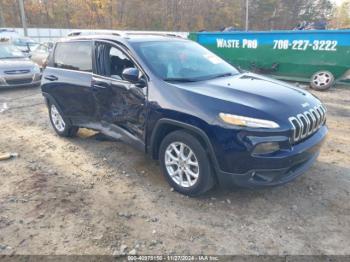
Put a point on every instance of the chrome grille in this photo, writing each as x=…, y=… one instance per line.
x=19, y=81
x=308, y=122
x=15, y=72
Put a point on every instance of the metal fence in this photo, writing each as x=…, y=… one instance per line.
x=53, y=34
x=44, y=34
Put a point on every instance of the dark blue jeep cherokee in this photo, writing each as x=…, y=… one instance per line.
x=204, y=120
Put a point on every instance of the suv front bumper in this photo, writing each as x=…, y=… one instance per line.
x=288, y=166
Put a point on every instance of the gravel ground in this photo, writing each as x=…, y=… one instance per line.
x=85, y=196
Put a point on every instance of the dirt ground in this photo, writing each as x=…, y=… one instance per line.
x=85, y=196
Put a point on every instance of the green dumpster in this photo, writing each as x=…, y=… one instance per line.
x=320, y=57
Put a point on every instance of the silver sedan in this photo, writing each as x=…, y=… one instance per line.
x=16, y=69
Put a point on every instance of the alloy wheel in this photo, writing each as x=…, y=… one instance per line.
x=57, y=119
x=182, y=164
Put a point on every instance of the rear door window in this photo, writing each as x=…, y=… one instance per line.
x=74, y=56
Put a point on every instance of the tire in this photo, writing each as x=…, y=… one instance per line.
x=190, y=177
x=61, y=126
x=322, y=80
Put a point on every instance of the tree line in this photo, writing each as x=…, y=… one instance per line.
x=173, y=15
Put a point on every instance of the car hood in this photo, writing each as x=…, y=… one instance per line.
x=255, y=95
x=16, y=64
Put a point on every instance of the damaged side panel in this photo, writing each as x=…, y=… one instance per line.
x=121, y=109
x=120, y=103
x=117, y=133
x=92, y=93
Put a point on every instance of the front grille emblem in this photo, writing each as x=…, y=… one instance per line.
x=306, y=104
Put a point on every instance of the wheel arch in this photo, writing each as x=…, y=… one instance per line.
x=49, y=99
x=165, y=126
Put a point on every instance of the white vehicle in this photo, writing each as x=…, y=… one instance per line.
x=40, y=54
x=8, y=33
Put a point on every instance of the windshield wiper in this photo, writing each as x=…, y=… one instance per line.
x=181, y=80
x=222, y=75
x=184, y=80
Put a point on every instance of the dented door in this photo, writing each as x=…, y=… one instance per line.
x=118, y=102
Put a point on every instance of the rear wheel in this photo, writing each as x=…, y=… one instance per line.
x=322, y=80
x=185, y=164
x=60, y=125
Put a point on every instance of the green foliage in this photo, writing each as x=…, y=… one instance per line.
x=341, y=15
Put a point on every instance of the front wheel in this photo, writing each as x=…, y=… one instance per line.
x=322, y=80
x=60, y=125
x=185, y=164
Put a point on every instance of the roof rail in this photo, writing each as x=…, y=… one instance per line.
x=152, y=33
x=85, y=32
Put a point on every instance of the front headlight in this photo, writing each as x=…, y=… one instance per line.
x=247, y=121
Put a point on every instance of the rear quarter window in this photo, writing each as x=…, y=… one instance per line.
x=74, y=56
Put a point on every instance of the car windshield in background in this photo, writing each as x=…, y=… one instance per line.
x=9, y=51
x=25, y=44
x=182, y=61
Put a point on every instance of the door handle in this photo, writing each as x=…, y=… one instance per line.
x=96, y=85
x=100, y=86
x=51, y=78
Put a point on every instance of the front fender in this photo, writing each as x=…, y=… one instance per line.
x=202, y=135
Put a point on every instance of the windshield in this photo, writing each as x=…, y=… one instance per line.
x=24, y=42
x=182, y=61
x=9, y=51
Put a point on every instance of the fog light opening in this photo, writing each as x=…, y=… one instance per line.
x=266, y=148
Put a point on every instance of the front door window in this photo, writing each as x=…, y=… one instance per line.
x=111, y=61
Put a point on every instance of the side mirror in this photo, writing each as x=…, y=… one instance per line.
x=132, y=75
